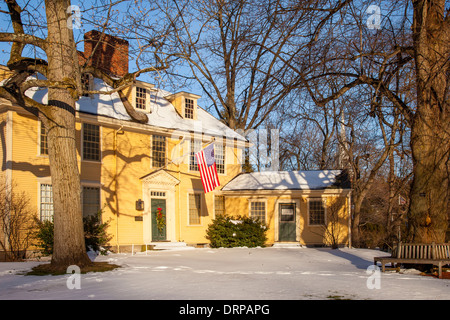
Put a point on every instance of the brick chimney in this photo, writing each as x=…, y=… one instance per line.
x=111, y=55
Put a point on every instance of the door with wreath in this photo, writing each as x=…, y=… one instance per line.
x=158, y=209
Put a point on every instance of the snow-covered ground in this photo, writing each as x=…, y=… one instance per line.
x=228, y=274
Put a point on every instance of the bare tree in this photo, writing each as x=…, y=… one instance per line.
x=62, y=70
x=334, y=229
x=237, y=51
x=17, y=223
x=409, y=49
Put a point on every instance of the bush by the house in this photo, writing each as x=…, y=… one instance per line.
x=16, y=223
x=44, y=237
x=95, y=235
x=240, y=231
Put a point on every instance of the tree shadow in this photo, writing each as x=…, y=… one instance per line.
x=358, y=262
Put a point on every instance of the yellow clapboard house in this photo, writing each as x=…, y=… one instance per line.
x=133, y=171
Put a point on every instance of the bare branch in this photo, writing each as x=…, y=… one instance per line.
x=24, y=39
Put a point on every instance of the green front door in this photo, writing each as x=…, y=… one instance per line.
x=287, y=225
x=158, y=225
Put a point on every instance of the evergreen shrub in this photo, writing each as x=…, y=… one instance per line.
x=95, y=235
x=236, y=231
x=44, y=236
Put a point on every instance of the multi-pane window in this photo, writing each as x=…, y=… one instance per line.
x=43, y=141
x=316, y=211
x=91, y=201
x=46, y=202
x=196, y=146
x=189, y=109
x=141, y=98
x=219, y=205
x=194, y=208
x=160, y=194
x=158, y=151
x=91, y=142
x=219, y=155
x=258, y=210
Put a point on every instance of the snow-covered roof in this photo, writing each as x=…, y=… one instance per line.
x=162, y=113
x=288, y=180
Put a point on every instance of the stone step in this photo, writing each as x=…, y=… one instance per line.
x=287, y=245
x=168, y=245
x=163, y=245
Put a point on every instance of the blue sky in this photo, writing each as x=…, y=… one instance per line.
x=36, y=8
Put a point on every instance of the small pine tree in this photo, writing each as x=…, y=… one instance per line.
x=95, y=235
x=44, y=237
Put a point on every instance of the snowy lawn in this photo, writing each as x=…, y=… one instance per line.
x=229, y=274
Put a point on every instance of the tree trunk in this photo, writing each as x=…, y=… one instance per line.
x=356, y=213
x=430, y=128
x=69, y=247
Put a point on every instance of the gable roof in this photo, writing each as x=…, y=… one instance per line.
x=289, y=180
x=163, y=114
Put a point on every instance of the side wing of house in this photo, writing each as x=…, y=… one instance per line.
x=304, y=207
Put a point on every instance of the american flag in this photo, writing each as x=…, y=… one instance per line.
x=207, y=167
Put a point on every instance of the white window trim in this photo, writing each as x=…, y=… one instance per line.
x=265, y=207
x=148, y=88
x=201, y=145
x=324, y=202
x=41, y=181
x=190, y=150
x=39, y=141
x=201, y=208
x=224, y=145
x=147, y=98
x=92, y=185
x=166, y=159
x=194, y=111
x=216, y=194
x=100, y=133
x=152, y=196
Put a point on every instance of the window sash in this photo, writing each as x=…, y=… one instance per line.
x=219, y=156
x=219, y=205
x=141, y=98
x=196, y=146
x=46, y=202
x=316, y=209
x=91, y=142
x=43, y=141
x=91, y=201
x=258, y=210
x=194, y=208
x=189, y=109
x=158, y=151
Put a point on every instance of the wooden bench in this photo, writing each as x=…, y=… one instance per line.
x=437, y=254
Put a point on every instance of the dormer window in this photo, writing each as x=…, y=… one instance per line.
x=141, y=98
x=139, y=95
x=189, y=109
x=185, y=104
